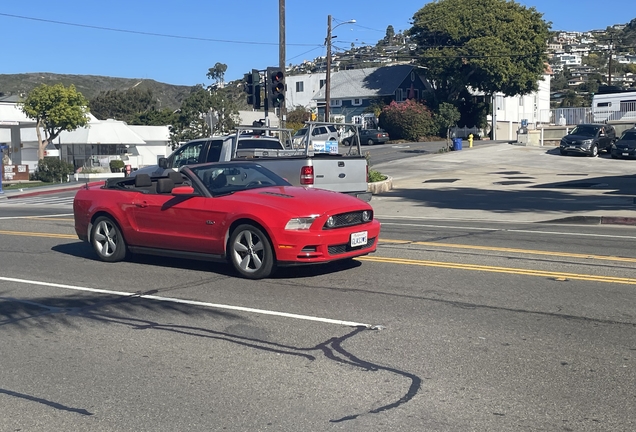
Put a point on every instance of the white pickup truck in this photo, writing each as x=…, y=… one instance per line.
x=319, y=164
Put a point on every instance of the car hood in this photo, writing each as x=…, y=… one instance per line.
x=626, y=143
x=302, y=201
x=578, y=137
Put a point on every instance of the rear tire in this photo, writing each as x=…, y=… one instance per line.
x=346, y=142
x=251, y=253
x=370, y=142
x=107, y=240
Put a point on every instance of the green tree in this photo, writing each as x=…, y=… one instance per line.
x=488, y=45
x=55, y=109
x=201, y=104
x=125, y=105
x=390, y=34
x=447, y=115
x=217, y=73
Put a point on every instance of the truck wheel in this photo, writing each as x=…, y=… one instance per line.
x=107, y=240
x=251, y=252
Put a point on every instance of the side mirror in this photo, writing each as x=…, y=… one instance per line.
x=163, y=163
x=183, y=191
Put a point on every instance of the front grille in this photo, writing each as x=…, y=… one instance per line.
x=344, y=248
x=347, y=219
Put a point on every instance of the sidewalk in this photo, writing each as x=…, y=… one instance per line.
x=494, y=182
x=504, y=182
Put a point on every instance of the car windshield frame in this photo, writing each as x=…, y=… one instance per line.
x=238, y=177
x=585, y=130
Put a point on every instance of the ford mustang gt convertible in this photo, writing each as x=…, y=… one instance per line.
x=239, y=212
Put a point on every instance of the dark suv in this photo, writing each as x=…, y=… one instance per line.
x=589, y=139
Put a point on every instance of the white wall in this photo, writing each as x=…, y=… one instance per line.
x=311, y=84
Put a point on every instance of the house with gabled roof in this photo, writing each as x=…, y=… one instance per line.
x=354, y=91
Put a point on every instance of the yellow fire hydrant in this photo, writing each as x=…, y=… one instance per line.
x=470, y=140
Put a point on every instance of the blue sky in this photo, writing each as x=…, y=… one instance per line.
x=242, y=34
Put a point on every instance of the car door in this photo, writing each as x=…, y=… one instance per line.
x=189, y=224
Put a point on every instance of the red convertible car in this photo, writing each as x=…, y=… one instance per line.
x=239, y=212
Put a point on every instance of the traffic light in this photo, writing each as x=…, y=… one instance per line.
x=275, y=82
x=253, y=88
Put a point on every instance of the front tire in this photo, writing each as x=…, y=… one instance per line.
x=251, y=252
x=107, y=240
x=594, y=150
x=370, y=142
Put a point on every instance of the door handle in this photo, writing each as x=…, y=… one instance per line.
x=142, y=204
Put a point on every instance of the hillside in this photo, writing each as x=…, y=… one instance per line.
x=169, y=96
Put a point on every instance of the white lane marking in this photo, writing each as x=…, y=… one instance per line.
x=36, y=216
x=192, y=303
x=512, y=230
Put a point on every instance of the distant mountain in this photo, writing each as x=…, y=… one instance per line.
x=167, y=95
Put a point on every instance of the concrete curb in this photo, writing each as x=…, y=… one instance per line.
x=593, y=220
x=381, y=186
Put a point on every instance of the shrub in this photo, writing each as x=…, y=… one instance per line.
x=52, y=169
x=408, y=120
x=116, y=165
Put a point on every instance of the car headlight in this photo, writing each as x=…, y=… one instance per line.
x=302, y=223
x=587, y=142
x=366, y=216
x=331, y=222
x=563, y=143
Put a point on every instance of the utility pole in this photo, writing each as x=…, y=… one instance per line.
x=609, y=64
x=281, y=56
x=328, y=76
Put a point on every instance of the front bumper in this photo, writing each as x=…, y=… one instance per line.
x=321, y=246
x=576, y=148
x=623, y=153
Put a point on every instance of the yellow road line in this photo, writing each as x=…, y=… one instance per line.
x=513, y=250
x=508, y=270
x=37, y=234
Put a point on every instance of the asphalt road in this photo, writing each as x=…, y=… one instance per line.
x=450, y=326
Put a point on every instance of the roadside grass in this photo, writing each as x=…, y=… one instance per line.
x=16, y=186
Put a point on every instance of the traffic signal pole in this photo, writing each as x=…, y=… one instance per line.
x=281, y=54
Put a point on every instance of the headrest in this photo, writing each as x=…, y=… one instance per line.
x=143, y=180
x=176, y=177
x=164, y=185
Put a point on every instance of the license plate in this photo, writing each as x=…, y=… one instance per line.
x=572, y=147
x=625, y=154
x=358, y=239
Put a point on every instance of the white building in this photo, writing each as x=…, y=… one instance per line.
x=93, y=146
x=302, y=88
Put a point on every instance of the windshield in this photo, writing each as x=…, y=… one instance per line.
x=629, y=136
x=221, y=179
x=300, y=132
x=585, y=130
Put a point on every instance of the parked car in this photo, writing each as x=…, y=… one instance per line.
x=318, y=133
x=589, y=139
x=239, y=212
x=369, y=136
x=625, y=147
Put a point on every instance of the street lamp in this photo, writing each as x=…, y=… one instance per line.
x=328, y=77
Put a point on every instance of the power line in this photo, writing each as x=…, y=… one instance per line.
x=150, y=33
